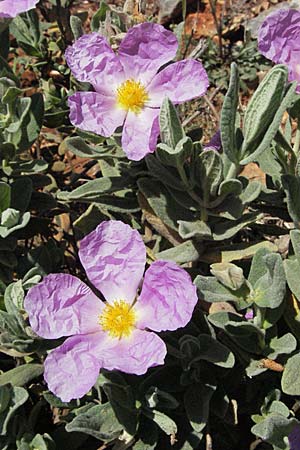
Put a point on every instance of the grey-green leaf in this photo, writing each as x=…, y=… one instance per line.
x=228, y=117
x=21, y=375
x=98, y=421
x=171, y=131
x=290, y=381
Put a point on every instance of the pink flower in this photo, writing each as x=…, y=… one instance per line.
x=117, y=334
x=11, y=8
x=279, y=40
x=128, y=90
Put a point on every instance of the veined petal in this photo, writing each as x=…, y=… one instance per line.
x=91, y=111
x=168, y=297
x=62, y=305
x=145, y=48
x=136, y=353
x=279, y=35
x=140, y=133
x=85, y=56
x=114, y=258
x=11, y=8
x=72, y=368
x=181, y=81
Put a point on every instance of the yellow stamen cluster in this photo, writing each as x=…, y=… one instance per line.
x=132, y=96
x=117, y=319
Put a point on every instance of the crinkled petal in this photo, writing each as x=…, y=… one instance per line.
x=114, y=258
x=85, y=56
x=279, y=35
x=140, y=133
x=72, y=369
x=11, y=8
x=145, y=48
x=279, y=40
x=294, y=438
x=181, y=81
x=91, y=111
x=168, y=297
x=62, y=305
x=136, y=353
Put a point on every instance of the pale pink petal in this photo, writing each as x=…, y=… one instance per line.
x=62, y=305
x=145, y=48
x=114, y=258
x=181, y=81
x=72, y=369
x=279, y=40
x=140, y=133
x=11, y=8
x=85, y=56
x=109, y=77
x=168, y=297
x=279, y=35
x=91, y=111
x=136, y=353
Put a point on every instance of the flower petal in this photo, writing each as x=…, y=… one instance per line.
x=215, y=142
x=279, y=35
x=94, y=112
x=72, y=369
x=136, y=353
x=62, y=305
x=294, y=68
x=294, y=438
x=11, y=8
x=279, y=40
x=114, y=258
x=181, y=81
x=145, y=48
x=168, y=297
x=85, y=56
x=140, y=133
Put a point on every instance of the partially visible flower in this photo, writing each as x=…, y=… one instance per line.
x=11, y=8
x=215, y=143
x=279, y=40
x=249, y=314
x=128, y=89
x=294, y=438
x=117, y=334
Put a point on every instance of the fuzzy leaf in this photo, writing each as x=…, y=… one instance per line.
x=196, y=403
x=263, y=105
x=171, y=131
x=290, y=381
x=21, y=375
x=98, y=421
x=228, y=117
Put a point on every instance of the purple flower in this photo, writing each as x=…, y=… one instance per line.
x=117, y=334
x=249, y=314
x=215, y=143
x=11, y=8
x=128, y=90
x=294, y=438
x=279, y=40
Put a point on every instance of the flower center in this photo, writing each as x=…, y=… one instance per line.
x=132, y=96
x=117, y=319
